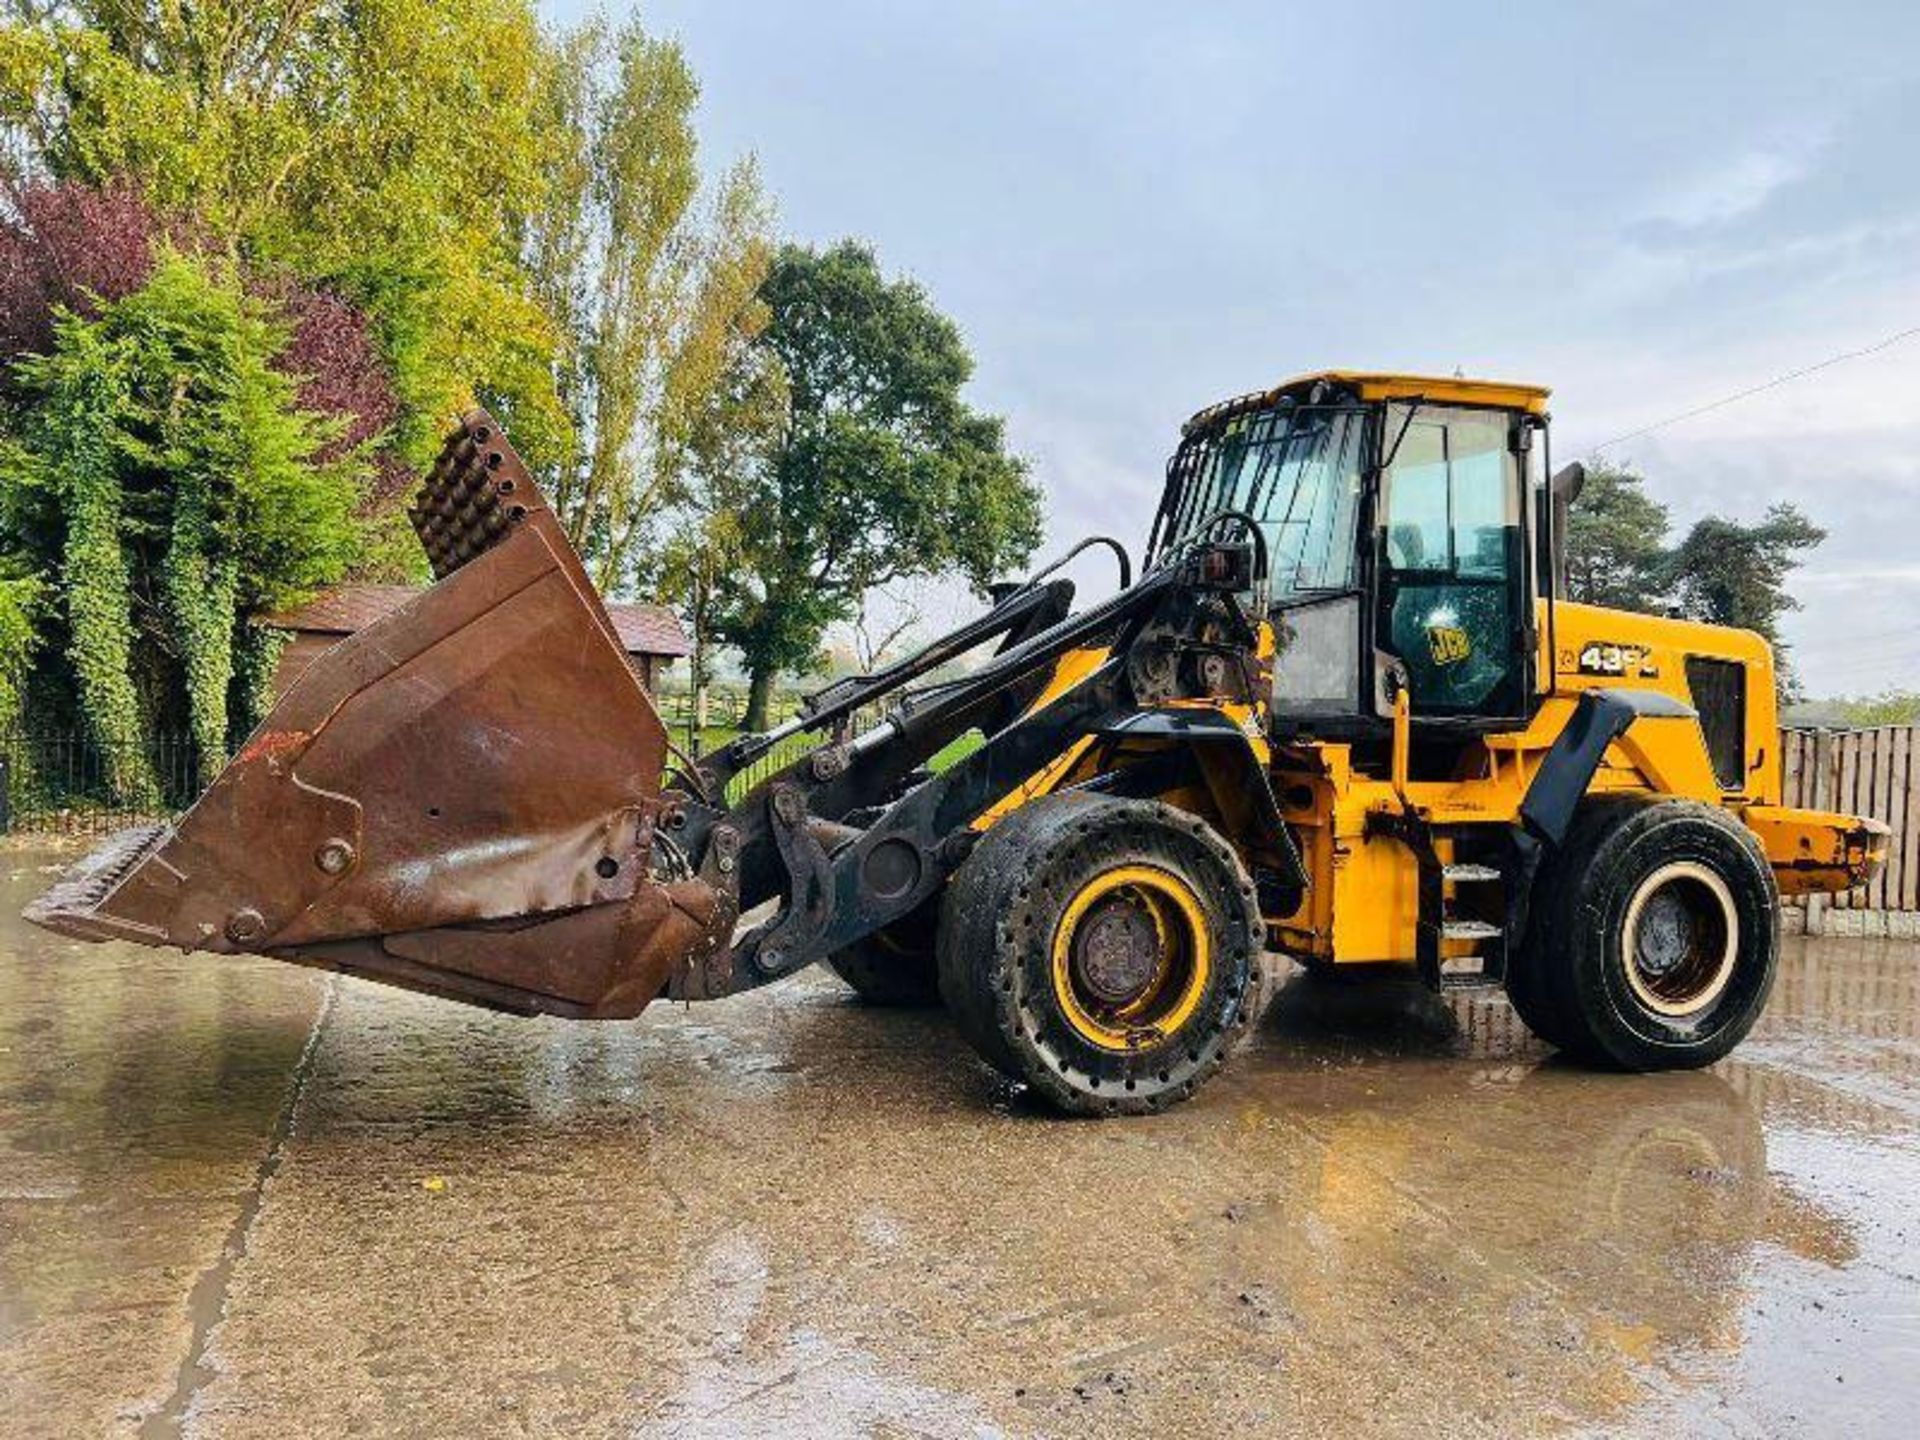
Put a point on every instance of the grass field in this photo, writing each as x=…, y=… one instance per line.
x=714, y=737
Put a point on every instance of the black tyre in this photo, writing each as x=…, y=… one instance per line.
x=1654, y=937
x=895, y=966
x=1527, y=990
x=1105, y=952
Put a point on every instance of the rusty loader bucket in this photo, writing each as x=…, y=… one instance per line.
x=459, y=799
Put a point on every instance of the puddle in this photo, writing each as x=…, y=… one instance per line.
x=788, y=1214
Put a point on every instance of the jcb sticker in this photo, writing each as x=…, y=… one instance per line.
x=1600, y=658
x=1449, y=644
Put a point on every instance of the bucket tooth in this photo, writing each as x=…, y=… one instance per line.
x=71, y=905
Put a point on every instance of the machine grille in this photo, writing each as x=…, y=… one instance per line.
x=1719, y=689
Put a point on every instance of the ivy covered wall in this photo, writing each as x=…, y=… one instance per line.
x=164, y=483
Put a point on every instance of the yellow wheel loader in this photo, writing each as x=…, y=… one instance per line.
x=1343, y=712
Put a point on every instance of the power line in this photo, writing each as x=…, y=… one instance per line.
x=1753, y=390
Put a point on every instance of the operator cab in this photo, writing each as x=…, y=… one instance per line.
x=1400, y=519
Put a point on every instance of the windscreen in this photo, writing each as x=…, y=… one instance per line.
x=1296, y=470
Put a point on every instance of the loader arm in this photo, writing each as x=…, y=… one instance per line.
x=1158, y=640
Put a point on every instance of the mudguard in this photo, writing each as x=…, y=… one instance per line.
x=1599, y=718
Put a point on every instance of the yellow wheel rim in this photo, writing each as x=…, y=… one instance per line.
x=1131, y=957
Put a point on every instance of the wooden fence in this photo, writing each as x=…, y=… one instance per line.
x=1864, y=772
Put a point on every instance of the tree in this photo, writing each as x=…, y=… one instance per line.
x=67, y=247
x=878, y=469
x=1723, y=572
x=654, y=296
x=1732, y=574
x=21, y=597
x=706, y=536
x=106, y=317
x=874, y=646
x=165, y=476
x=427, y=203
x=386, y=150
x=1616, y=541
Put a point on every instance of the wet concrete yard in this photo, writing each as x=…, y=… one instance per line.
x=244, y=1199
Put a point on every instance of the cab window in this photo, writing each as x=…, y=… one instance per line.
x=1452, y=562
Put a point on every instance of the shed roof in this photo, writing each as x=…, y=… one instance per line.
x=643, y=629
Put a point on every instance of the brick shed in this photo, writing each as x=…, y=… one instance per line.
x=651, y=633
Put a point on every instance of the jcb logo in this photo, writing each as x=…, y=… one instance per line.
x=1448, y=643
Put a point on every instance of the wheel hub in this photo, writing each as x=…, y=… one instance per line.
x=1131, y=957
x=1666, y=935
x=1682, y=940
x=1118, y=951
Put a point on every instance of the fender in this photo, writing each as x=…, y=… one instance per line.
x=1599, y=718
x=1236, y=773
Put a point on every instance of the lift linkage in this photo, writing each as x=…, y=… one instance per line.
x=857, y=834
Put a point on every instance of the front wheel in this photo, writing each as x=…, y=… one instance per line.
x=1655, y=937
x=1105, y=952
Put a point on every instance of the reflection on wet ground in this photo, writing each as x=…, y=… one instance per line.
x=240, y=1198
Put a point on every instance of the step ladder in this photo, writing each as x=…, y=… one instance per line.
x=1441, y=885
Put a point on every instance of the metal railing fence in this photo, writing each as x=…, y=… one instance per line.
x=69, y=783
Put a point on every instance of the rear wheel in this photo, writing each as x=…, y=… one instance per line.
x=1654, y=938
x=1103, y=951
x=893, y=966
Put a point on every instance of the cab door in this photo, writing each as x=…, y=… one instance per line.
x=1453, y=613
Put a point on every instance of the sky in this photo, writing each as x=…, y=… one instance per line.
x=1133, y=210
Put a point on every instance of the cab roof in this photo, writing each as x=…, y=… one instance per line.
x=1370, y=385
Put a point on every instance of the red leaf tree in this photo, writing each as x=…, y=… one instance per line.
x=73, y=246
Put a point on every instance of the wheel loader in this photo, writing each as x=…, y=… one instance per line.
x=1342, y=713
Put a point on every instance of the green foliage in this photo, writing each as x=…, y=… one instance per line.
x=73, y=460
x=654, y=295
x=1722, y=572
x=257, y=652
x=166, y=476
x=1733, y=574
x=517, y=213
x=21, y=600
x=390, y=148
x=199, y=593
x=1890, y=707
x=520, y=217
x=1616, y=541
x=879, y=469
